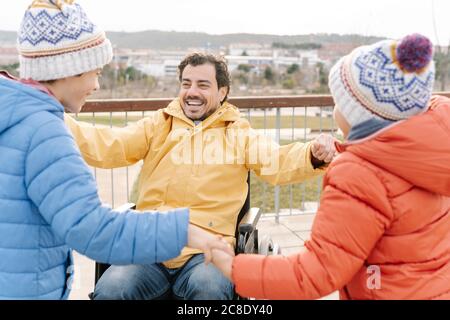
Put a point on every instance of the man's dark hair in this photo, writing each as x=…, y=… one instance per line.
x=219, y=63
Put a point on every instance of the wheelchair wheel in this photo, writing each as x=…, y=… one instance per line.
x=267, y=247
x=241, y=244
x=276, y=249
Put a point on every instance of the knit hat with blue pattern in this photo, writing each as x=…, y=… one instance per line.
x=57, y=40
x=388, y=81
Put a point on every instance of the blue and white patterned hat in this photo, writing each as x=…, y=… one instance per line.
x=388, y=81
x=57, y=40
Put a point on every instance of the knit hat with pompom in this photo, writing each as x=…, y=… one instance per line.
x=383, y=83
x=57, y=40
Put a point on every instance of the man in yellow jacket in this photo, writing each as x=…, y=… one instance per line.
x=196, y=153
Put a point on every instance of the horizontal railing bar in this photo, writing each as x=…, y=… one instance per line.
x=122, y=105
x=265, y=102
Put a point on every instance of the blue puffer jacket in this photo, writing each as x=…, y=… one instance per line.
x=49, y=202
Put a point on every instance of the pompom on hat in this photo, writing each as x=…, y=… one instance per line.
x=383, y=83
x=57, y=40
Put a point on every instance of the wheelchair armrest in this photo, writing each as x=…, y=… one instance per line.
x=126, y=206
x=247, y=234
x=249, y=221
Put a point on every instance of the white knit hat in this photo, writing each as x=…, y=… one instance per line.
x=57, y=40
x=385, y=82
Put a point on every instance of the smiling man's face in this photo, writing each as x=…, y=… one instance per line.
x=199, y=93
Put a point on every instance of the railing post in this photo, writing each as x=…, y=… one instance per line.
x=126, y=168
x=277, y=188
x=112, y=170
x=93, y=124
x=291, y=194
x=319, y=184
x=264, y=184
x=304, y=140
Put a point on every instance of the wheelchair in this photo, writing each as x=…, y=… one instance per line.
x=247, y=238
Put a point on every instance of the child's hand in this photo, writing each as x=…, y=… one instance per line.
x=223, y=261
x=323, y=148
x=206, y=241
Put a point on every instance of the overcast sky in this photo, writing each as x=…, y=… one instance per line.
x=386, y=18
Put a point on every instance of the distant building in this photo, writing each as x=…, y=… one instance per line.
x=304, y=58
x=159, y=63
x=258, y=62
x=171, y=67
x=249, y=49
x=154, y=68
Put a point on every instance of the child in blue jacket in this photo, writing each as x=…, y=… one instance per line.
x=48, y=197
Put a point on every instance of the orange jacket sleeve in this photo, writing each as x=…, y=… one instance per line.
x=353, y=214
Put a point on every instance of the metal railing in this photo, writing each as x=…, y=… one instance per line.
x=285, y=118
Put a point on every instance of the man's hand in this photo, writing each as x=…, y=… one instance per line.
x=223, y=261
x=323, y=150
x=206, y=241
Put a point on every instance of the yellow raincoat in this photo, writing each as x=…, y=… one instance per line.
x=201, y=167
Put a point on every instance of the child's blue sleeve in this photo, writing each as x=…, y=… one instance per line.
x=64, y=191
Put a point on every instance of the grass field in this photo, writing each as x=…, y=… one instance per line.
x=262, y=195
x=257, y=122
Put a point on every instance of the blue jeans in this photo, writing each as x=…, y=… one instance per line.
x=193, y=281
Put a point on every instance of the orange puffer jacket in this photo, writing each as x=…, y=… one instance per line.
x=382, y=230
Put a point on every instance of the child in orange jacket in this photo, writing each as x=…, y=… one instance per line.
x=382, y=230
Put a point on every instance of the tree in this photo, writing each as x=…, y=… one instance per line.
x=323, y=79
x=293, y=68
x=298, y=46
x=269, y=75
x=132, y=73
x=244, y=67
x=323, y=74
